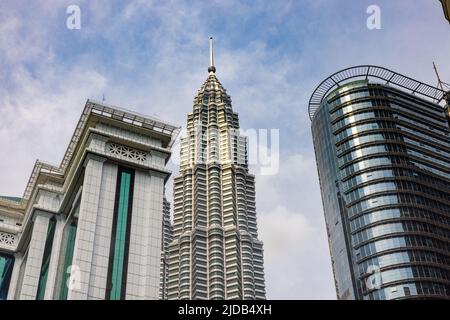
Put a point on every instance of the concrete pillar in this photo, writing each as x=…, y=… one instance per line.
x=35, y=254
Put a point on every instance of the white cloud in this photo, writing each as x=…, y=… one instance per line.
x=292, y=226
x=38, y=118
x=282, y=231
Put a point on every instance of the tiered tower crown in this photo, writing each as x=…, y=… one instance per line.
x=215, y=252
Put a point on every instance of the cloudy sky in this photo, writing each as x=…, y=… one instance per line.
x=152, y=56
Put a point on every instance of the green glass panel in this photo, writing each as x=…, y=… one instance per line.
x=2, y=265
x=6, y=266
x=120, y=237
x=46, y=259
x=71, y=235
x=2, y=275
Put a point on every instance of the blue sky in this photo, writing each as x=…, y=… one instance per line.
x=152, y=56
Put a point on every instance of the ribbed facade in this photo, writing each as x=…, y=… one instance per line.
x=383, y=162
x=215, y=252
x=166, y=238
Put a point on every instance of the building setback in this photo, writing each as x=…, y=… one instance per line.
x=90, y=228
x=382, y=145
x=215, y=252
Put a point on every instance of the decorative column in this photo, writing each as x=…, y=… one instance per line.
x=145, y=236
x=103, y=230
x=35, y=254
x=18, y=258
x=87, y=220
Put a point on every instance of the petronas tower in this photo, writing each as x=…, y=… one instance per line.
x=215, y=252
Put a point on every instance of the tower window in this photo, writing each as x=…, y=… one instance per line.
x=118, y=256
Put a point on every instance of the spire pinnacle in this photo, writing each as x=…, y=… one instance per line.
x=211, y=67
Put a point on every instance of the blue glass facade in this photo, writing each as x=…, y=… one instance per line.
x=383, y=161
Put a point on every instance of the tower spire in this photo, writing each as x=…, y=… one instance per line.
x=211, y=67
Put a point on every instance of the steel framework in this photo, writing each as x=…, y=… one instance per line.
x=369, y=71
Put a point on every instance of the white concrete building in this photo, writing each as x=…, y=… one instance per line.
x=90, y=228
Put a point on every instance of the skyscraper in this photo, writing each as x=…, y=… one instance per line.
x=215, y=252
x=382, y=146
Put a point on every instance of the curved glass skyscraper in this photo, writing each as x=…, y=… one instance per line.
x=382, y=145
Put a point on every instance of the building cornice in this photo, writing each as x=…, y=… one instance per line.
x=150, y=125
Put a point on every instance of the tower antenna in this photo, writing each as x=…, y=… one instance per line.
x=441, y=83
x=211, y=67
x=446, y=88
